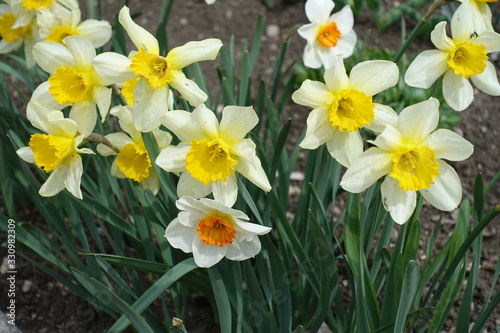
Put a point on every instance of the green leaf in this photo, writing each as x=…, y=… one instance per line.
x=410, y=283
x=221, y=299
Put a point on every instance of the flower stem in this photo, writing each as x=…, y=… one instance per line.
x=408, y=41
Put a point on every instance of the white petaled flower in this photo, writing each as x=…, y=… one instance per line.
x=478, y=12
x=26, y=10
x=152, y=74
x=210, y=153
x=57, y=151
x=54, y=27
x=327, y=35
x=133, y=160
x=344, y=105
x=411, y=155
x=13, y=35
x=460, y=58
x=73, y=80
x=212, y=231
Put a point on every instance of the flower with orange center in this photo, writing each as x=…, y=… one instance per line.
x=343, y=105
x=210, y=153
x=212, y=231
x=463, y=57
x=411, y=155
x=327, y=36
x=156, y=73
x=57, y=151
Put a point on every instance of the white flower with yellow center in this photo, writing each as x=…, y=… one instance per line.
x=14, y=36
x=26, y=10
x=73, y=80
x=133, y=160
x=411, y=155
x=327, y=36
x=210, y=153
x=463, y=57
x=344, y=105
x=212, y=231
x=155, y=73
x=57, y=151
x=54, y=27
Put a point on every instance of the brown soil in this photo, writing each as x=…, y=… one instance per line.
x=47, y=306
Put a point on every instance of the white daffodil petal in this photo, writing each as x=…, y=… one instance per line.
x=180, y=236
x=344, y=19
x=149, y=106
x=163, y=139
x=400, y=204
x=336, y=77
x=182, y=125
x=248, y=164
x=51, y=56
x=490, y=40
x=309, y=32
x=102, y=97
x=113, y=66
x=319, y=129
x=449, y=145
x=426, y=68
x=42, y=95
x=206, y=120
x=417, y=121
x=372, y=77
x=191, y=52
x=461, y=26
x=191, y=187
x=36, y=112
x=173, y=159
x=389, y=139
x=81, y=49
x=98, y=32
x=313, y=94
x=487, y=81
x=85, y=115
x=9, y=47
x=152, y=182
x=384, y=115
x=226, y=192
x=26, y=154
x=237, y=121
x=318, y=10
x=188, y=88
x=439, y=37
x=74, y=177
x=243, y=249
x=311, y=56
x=366, y=170
x=213, y=204
x=56, y=181
x=446, y=192
x=345, y=146
x=190, y=204
x=206, y=255
x=253, y=228
x=115, y=171
x=457, y=91
x=104, y=150
x=119, y=139
x=139, y=36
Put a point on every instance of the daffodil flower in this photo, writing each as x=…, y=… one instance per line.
x=459, y=58
x=327, y=36
x=73, y=80
x=27, y=10
x=14, y=36
x=210, y=153
x=153, y=74
x=411, y=155
x=132, y=159
x=54, y=27
x=212, y=231
x=478, y=12
x=57, y=151
x=344, y=105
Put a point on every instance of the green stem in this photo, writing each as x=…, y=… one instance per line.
x=408, y=41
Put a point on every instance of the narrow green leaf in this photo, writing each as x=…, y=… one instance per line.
x=221, y=299
x=410, y=283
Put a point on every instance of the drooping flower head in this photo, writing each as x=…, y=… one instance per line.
x=463, y=57
x=133, y=160
x=73, y=79
x=212, y=231
x=57, y=151
x=154, y=72
x=210, y=153
x=344, y=105
x=411, y=155
x=327, y=35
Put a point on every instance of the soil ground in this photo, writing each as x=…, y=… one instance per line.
x=46, y=306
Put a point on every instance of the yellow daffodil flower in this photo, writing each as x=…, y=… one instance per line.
x=210, y=153
x=57, y=151
x=344, y=105
x=156, y=73
x=132, y=159
x=411, y=155
x=212, y=231
x=327, y=36
x=463, y=57
x=73, y=80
